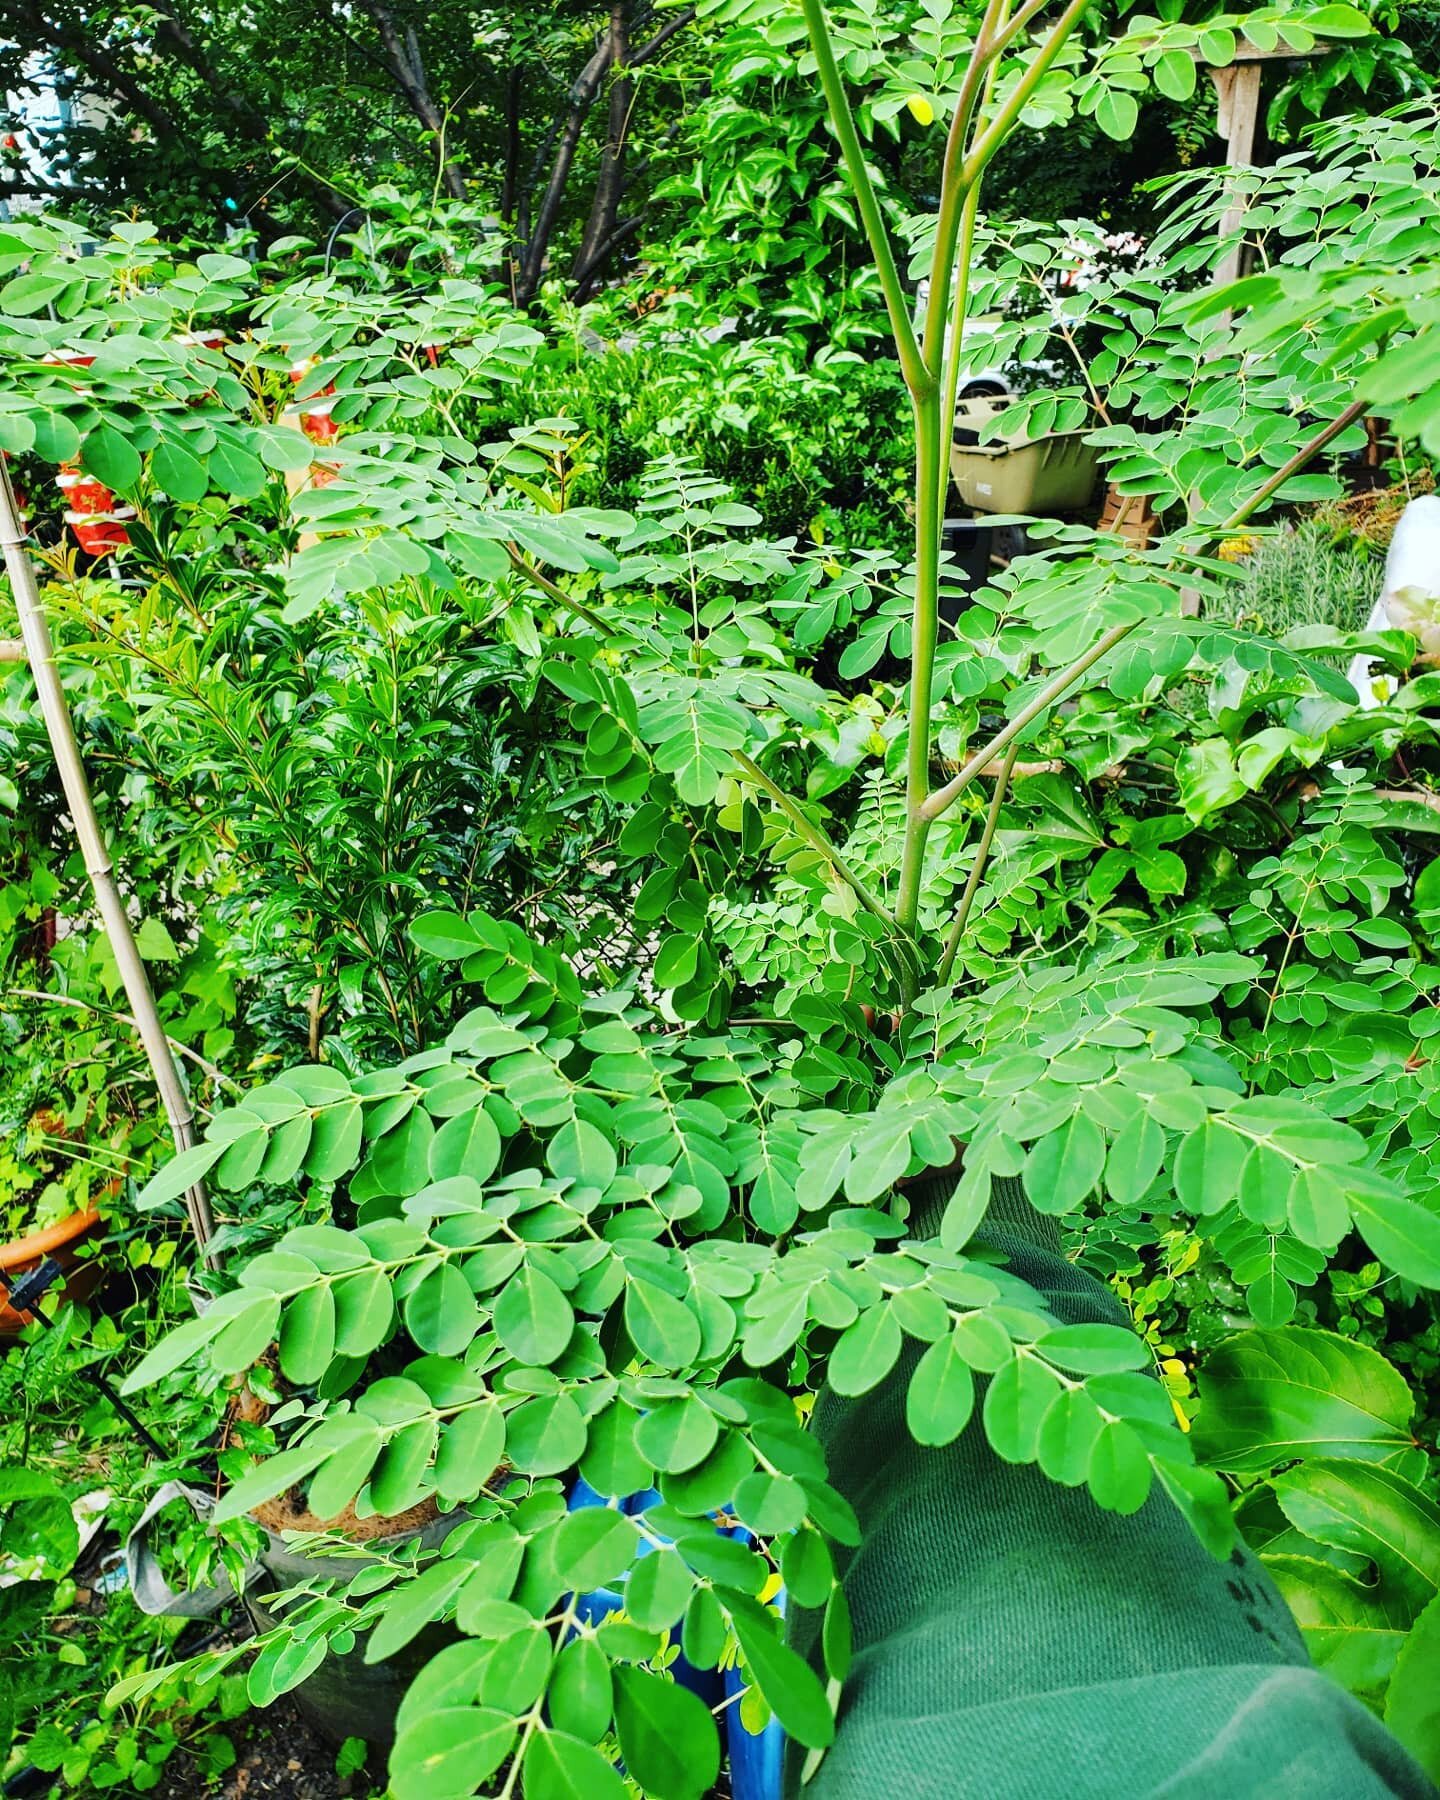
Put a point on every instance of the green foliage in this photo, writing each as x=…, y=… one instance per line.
x=604, y=1170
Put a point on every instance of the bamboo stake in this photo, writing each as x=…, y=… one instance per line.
x=40, y=654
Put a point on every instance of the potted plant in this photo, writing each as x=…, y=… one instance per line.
x=596, y=1230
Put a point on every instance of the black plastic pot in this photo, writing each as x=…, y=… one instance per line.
x=346, y=1696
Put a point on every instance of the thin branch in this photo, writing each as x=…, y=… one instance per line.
x=946, y=796
x=1016, y=101
x=982, y=856
x=403, y=61
x=816, y=839
x=206, y=1068
x=649, y=51
x=553, y=591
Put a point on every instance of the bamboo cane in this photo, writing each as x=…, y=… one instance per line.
x=40, y=654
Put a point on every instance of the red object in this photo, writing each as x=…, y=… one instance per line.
x=72, y=359
x=432, y=351
x=322, y=474
x=99, y=533
x=318, y=426
x=84, y=493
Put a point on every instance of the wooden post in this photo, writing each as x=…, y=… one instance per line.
x=1237, y=87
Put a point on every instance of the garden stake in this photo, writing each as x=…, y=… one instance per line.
x=40, y=654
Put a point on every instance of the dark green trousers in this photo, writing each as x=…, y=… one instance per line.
x=1015, y=1642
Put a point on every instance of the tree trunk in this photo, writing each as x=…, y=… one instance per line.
x=582, y=98
x=402, y=58
x=610, y=183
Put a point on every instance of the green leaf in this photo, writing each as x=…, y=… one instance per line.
x=667, y=1736
x=354, y=1442
x=1404, y=1234
x=274, y=1476
x=593, y=1547
x=181, y=1173
x=154, y=942
x=307, y=1335
x=174, y=1349
x=771, y=1504
x=545, y=1436
x=677, y=1435
x=471, y=1446
x=1318, y=1208
x=662, y=1328
x=1268, y=1397
x=1369, y=1510
x=1065, y=1166
x=336, y=1139
x=808, y=1569
x=941, y=1395
x=1136, y=1152
x=440, y=1313
x=580, y=1697
x=579, y=1152
x=398, y=1481
x=364, y=1311
x=1068, y=1435
x=111, y=458
x=790, y=1686
x=178, y=473
x=1175, y=75
x=560, y=1766
x=445, y=934
x=865, y=1352
x=1353, y=1631
x=533, y=1318
x=1119, y=1471
x=658, y=1590
x=234, y=471
x=450, y=1752
x=1016, y=1403
x=1412, y=1704
x=1093, y=1349
x=413, y=1605
x=400, y=1160
x=612, y=1464
x=468, y=1144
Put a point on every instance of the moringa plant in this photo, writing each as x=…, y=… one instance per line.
x=627, y=1228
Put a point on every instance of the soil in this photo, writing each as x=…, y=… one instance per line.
x=279, y=1756
x=289, y=1513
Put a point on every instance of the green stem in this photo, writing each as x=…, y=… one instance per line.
x=977, y=869
x=815, y=837
x=924, y=632
x=1005, y=120
x=918, y=378
x=954, y=193
x=944, y=798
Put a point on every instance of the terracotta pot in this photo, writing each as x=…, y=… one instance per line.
x=62, y=1241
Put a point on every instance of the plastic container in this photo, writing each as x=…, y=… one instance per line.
x=99, y=533
x=346, y=1696
x=83, y=492
x=62, y=1241
x=1018, y=474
